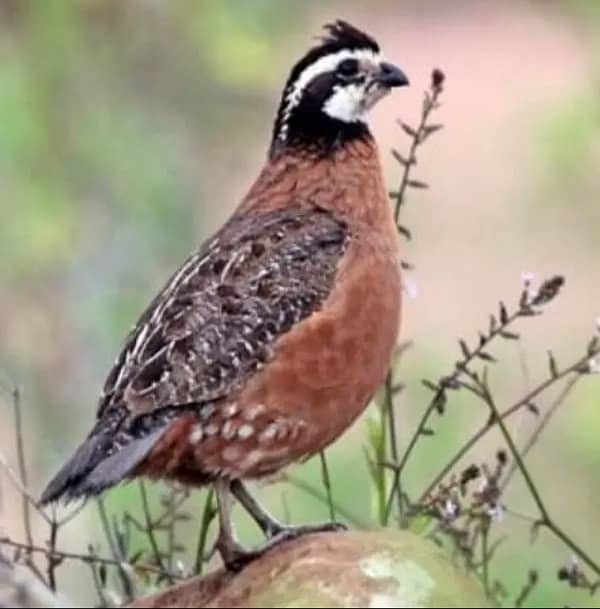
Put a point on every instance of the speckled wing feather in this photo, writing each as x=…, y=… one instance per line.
x=213, y=326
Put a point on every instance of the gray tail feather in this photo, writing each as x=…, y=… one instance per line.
x=90, y=471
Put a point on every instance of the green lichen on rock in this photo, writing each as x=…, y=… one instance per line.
x=401, y=580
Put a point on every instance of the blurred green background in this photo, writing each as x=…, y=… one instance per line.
x=130, y=129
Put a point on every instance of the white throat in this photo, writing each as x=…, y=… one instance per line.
x=346, y=104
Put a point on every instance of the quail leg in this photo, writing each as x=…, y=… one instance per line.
x=234, y=555
x=274, y=530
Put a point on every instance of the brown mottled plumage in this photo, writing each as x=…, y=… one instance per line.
x=271, y=339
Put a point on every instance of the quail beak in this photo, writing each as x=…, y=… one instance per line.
x=390, y=76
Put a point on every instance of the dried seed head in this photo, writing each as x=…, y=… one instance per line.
x=437, y=78
x=563, y=574
x=502, y=457
x=548, y=290
x=534, y=577
x=471, y=473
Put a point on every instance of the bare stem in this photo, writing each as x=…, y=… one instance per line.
x=25, y=494
x=118, y=559
x=149, y=530
x=207, y=517
x=440, y=393
x=485, y=557
x=98, y=583
x=16, y=395
x=53, y=561
x=418, y=136
x=527, y=589
x=543, y=423
x=396, y=489
x=327, y=484
x=84, y=558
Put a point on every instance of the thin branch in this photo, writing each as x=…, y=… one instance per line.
x=163, y=520
x=14, y=478
x=528, y=587
x=451, y=382
x=69, y=516
x=418, y=136
x=524, y=402
x=16, y=396
x=149, y=530
x=118, y=559
x=98, y=585
x=208, y=516
x=53, y=560
x=388, y=411
x=171, y=529
x=485, y=557
x=84, y=558
x=545, y=519
x=20, y=481
x=172, y=502
x=529, y=305
x=543, y=423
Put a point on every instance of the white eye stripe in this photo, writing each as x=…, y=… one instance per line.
x=324, y=64
x=327, y=63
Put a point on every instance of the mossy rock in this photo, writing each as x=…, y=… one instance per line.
x=385, y=568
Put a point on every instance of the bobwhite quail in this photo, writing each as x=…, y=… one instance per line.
x=271, y=339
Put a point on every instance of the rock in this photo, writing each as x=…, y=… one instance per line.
x=385, y=568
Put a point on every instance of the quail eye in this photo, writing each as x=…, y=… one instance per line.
x=348, y=67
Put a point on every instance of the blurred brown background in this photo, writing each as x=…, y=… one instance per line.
x=129, y=131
